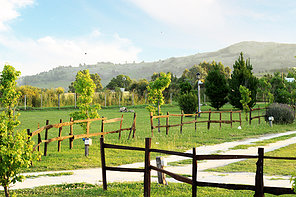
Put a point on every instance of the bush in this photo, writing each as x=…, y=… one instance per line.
x=282, y=113
x=188, y=103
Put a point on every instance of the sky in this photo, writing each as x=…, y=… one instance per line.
x=39, y=35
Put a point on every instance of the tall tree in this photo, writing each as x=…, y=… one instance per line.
x=85, y=87
x=242, y=75
x=216, y=86
x=16, y=150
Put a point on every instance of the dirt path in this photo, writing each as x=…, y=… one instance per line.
x=94, y=175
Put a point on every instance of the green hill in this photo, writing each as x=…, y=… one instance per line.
x=265, y=57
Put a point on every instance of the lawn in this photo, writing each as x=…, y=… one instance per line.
x=271, y=166
x=73, y=159
x=129, y=189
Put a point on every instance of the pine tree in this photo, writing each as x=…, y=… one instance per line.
x=216, y=87
x=242, y=75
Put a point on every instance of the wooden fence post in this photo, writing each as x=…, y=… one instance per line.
x=194, y=172
x=259, y=184
x=167, y=123
x=45, y=138
x=240, y=118
x=104, y=176
x=71, y=133
x=231, y=118
x=87, y=127
x=147, y=173
x=39, y=142
x=102, y=127
x=181, y=125
x=59, y=101
x=60, y=135
x=151, y=123
x=134, y=125
x=29, y=133
x=209, y=122
x=119, y=136
x=41, y=101
x=25, y=102
x=75, y=100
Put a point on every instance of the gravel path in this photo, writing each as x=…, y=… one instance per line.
x=94, y=175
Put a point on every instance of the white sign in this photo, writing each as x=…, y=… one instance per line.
x=88, y=141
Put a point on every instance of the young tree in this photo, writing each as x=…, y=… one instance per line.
x=242, y=75
x=246, y=99
x=121, y=81
x=216, y=87
x=16, y=150
x=95, y=77
x=155, y=89
x=85, y=88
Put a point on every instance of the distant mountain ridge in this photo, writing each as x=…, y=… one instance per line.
x=264, y=56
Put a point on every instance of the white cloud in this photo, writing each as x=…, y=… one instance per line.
x=9, y=11
x=33, y=56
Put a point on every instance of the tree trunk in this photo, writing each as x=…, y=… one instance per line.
x=6, y=191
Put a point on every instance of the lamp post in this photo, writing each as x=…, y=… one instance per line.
x=198, y=92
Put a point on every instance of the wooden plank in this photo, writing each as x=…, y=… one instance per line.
x=171, y=152
x=226, y=186
x=113, y=146
x=125, y=169
x=278, y=190
x=224, y=157
x=147, y=172
x=161, y=116
x=112, y=120
x=209, y=122
x=173, y=175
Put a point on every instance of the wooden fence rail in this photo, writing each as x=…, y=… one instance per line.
x=259, y=187
x=258, y=116
x=71, y=136
x=195, y=121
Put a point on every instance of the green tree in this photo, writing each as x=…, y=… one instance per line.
x=242, y=75
x=16, y=150
x=246, y=99
x=96, y=79
x=280, y=89
x=140, y=86
x=120, y=81
x=155, y=89
x=216, y=86
x=85, y=88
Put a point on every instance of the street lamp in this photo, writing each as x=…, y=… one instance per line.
x=198, y=92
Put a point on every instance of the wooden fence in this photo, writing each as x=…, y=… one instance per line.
x=71, y=136
x=259, y=187
x=195, y=121
x=256, y=117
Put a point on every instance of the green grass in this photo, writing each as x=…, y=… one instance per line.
x=271, y=166
x=129, y=189
x=263, y=142
x=75, y=159
x=180, y=163
x=50, y=175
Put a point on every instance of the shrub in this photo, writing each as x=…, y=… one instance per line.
x=188, y=103
x=282, y=113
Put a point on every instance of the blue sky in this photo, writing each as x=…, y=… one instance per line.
x=38, y=35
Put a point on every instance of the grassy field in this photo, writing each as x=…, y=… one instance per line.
x=74, y=159
x=271, y=167
x=130, y=189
